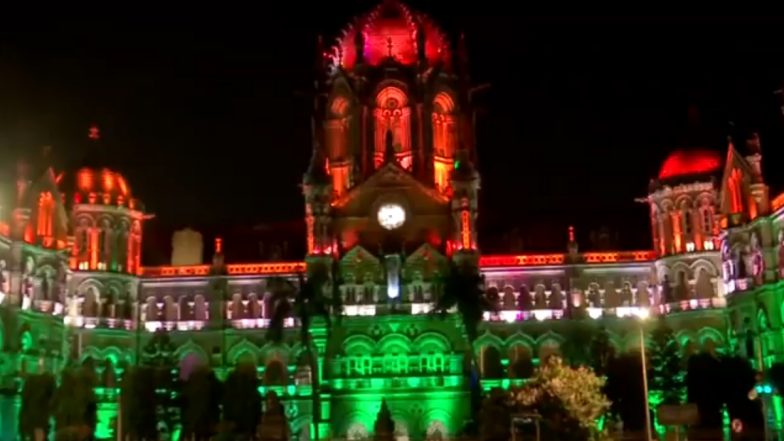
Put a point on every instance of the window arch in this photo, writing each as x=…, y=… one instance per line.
x=45, y=215
x=392, y=118
x=444, y=138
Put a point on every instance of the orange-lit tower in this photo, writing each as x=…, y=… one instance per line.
x=39, y=231
x=107, y=226
x=393, y=141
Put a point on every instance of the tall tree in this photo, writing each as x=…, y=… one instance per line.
x=601, y=351
x=200, y=405
x=75, y=405
x=569, y=400
x=36, y=409
x=667, y=378
x=462, y=287
x=282, y=292
x=139, y=402
x=242, y=401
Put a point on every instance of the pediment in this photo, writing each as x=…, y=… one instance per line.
x=426, y=262
x=390, y=179
x=359, y=265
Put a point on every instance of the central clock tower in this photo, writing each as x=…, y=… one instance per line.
x=392, y=164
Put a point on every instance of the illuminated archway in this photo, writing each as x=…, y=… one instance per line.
x=445, y=139
x=337, y=129
x=392, y=117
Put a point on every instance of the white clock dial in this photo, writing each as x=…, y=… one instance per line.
x=391, y=216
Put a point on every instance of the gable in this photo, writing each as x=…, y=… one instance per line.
x=734, y=183
x=360, y=266
x=426, y=262
x=391, y=180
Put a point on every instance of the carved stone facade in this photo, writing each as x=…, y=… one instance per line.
x=391, y=197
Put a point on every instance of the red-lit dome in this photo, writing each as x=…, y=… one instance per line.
x=104, y=186
x=390, y=30
x=689, y=162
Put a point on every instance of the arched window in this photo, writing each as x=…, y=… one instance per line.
x=444, y=138
x=337, y=139
x=392, y=124
x=45, y=215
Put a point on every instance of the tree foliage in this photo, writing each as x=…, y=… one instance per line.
x=570, y=400
x=200, y=405
x=667, y=379
x=462, y=288
x=139, y=402
x=242, y=401
x=601, y=351
x=36, y=409
x=75, y=405
x=495, y=417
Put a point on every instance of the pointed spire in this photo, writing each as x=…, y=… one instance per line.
x=753, y=145
x=317, y=169
x=384, y=427
x=320, y=63
x=359, y=42
x=572, y=246
x=421, y=42
x=462, y=54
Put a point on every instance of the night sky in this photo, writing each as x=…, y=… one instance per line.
x=206, y=113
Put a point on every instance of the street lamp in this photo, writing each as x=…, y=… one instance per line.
x=643, y=314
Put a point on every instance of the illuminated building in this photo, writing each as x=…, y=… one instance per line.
x=391, y=195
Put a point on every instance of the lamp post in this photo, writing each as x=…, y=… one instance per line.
x=643, y=314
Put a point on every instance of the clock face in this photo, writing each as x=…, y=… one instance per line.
x=391, y=216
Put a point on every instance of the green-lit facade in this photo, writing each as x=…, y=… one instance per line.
x=391, y=196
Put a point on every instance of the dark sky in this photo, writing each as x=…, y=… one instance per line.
x=204, y=112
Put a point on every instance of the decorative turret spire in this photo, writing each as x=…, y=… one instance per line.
x=317, y=169
x=359, y=42
x=321, y=55
x=572, y=244
x=421, y=42
x=385, y=427
x=462, y=55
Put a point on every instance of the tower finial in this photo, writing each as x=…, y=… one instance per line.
x=389, y=47
x=94, y=132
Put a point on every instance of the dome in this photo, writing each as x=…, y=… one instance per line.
x=689, y=163
x=390, y=31
x=103, y=185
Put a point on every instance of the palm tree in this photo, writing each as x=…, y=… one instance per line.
x=310, y=302
x=462, y=287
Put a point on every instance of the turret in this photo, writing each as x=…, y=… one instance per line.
x=106, y=218
x=465, y=183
